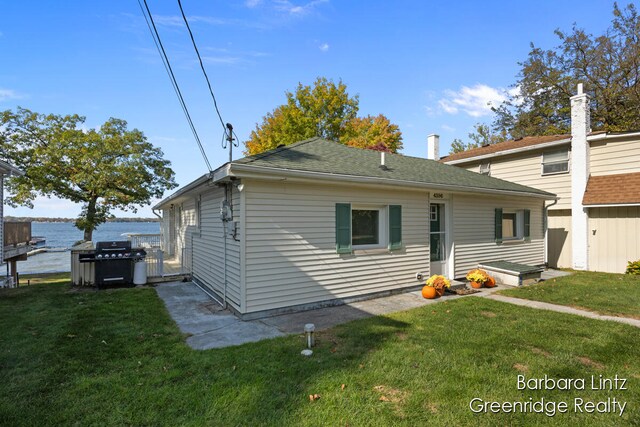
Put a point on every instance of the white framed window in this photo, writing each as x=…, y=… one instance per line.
x=555, y=162
x=369, y=227
x=513, y=225
x=485, y=168
x=433, y=212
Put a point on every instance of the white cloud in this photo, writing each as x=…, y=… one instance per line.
x=296, y=9
x=7, y=94
x=252, y=3
x=476, y=101
x=448, y=128
x=324, y=47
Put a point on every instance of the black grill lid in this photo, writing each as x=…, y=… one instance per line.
x=117, y=246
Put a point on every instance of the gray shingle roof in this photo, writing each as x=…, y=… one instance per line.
x=320, y=155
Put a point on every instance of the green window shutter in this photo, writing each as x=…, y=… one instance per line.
x=395, y=227
x=343, y=228
x=527, y=224
x=498, y=226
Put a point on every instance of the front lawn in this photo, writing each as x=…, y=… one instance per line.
x=604, y=293
x=115, y=357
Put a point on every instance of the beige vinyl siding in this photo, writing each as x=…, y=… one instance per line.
x=474, y=232
x=616, y=238
x=614, y=157
x=291, y=254
x=559, y=245
x=526, y=169
x=208, y=247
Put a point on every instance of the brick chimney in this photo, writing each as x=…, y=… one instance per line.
x=580, y=128
x=433, y=147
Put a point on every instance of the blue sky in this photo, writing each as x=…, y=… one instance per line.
x=430, y=66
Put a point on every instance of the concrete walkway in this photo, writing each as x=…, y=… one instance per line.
x=561, y=309
x=209, y=326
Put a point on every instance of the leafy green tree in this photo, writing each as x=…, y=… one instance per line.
x=102, y=169
x=482, y=135
x=325, y=110
x=608, y=65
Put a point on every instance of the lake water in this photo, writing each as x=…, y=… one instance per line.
x=65, y=234
x=60, y=236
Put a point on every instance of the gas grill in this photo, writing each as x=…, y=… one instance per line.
x=113, y=262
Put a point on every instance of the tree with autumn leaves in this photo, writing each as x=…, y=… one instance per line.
x=325, y=110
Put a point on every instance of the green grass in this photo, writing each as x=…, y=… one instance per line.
x=115, y=357
x=604, y=293
x=48, y=278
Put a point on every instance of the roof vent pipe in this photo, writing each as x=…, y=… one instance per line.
x=433, y=147
x=382, y=158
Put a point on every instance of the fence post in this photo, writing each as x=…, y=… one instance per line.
x=160, y=262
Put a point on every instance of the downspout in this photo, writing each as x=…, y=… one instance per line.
x=546, y=231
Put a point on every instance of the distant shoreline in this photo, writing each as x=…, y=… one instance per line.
x=45, y=219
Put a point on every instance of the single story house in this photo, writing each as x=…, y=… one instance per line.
x=318, y=223
x=595, y=223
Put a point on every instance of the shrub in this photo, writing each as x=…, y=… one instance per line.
x=633, y=267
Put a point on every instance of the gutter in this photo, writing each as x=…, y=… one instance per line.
x=612, y=135
x=240, y=169
x=10, y=170
x=611, y=205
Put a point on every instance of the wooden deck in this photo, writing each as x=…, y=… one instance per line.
x=173, y=267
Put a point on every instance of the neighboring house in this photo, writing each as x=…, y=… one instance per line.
x=317, y=223
x=595, y=224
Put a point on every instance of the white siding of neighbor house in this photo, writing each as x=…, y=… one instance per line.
x=615, y=241
x=559, y=245
x=291, y=254
x=612, y=157
x=526, y=169
x=208, y=246
x=474, y=232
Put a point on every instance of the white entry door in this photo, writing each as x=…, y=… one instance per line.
x=438, y=238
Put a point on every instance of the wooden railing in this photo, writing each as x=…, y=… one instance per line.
x=17, y=233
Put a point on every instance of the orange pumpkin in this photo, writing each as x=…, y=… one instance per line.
x=476, y=285
x=429, y=292
x=491, y=282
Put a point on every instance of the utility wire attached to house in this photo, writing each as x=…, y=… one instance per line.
x=193, y=41
x=167, y=65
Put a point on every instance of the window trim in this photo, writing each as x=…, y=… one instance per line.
x=383, y=225
x=543, y=163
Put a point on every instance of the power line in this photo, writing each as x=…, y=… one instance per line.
x=215, y=104
x=167, y=65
